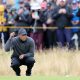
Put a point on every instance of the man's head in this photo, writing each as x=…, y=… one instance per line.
x=21, y=3
x=62, y=3
x=54, y=0
x=74, y=4
x=27, y=1
x=27, y=6
x=22, y=34
x=5, y=5
x=78, y=2
x=75, y=20
x=49, y=5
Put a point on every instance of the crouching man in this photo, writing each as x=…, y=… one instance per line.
x=23, y=51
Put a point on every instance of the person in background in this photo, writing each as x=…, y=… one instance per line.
x=75, y=18
x=69, y=3
x=11, y=21
x=75, y=23
x=49, y=34
x=62, y=16
x=42, y=21
x=4, y=30
x=27, y=1
x=44, y=4
x=21, y=3
x=78, y=14
x=28, y=17
x=37, y=16
x=37, y=34
x=78, y=3
x=54, y=3
x=16, y=16
x=23, y=17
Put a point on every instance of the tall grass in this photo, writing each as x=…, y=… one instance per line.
x=54, y=62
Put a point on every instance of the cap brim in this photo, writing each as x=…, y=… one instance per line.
x=23, y=34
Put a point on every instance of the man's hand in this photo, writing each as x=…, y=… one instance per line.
x=12, y=34
x=64, y=11
x=60, y=11
x=49, y=21
x=44, y=27
x=75, y=22
x=20, y=11
x=21, y=56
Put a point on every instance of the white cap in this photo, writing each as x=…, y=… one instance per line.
x=35, y=6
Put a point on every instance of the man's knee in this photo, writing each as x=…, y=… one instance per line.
x=30, y=60
x=15, y=63
x=15, y=66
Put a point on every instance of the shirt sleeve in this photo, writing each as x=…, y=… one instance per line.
x=9, y=45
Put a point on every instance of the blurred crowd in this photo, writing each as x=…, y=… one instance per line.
x=43, y=18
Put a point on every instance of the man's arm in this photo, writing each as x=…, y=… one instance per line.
x=69, y=13
x=56, y=13
x=9, y=44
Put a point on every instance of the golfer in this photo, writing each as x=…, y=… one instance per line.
x=23, y=51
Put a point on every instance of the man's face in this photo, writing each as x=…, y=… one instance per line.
x=27, y=0
x=78, y=4
x=74, y=6
x=62, y=3
x=21, y=4
x=5, y=6
x=23, y=37
x=49, y=7
x=54, y=0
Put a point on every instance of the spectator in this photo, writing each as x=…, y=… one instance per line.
x=5, y=30
x=78, y=13
x=62, y=15
x=21, y=3
x=75, y=23
x=44, y=4
x=27, y=1
x=23, y=16
x=49, y=13
x=54, y=3
x=37, y=34
x=49, y=35
x=75, y=19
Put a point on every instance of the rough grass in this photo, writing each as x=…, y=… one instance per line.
x=56, y=62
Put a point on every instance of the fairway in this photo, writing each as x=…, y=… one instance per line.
x=40, y=78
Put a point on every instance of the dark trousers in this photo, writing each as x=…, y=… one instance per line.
x=38, y=38
x=16, y=63
x=49, y=39
x=51, y=36
x=63, y=35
